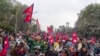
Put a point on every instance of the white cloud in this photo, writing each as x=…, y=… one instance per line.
x=57, y=12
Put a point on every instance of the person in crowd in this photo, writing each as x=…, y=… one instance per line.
x=12, y=41
x=64, y=53
x=79, y=45
x=97, y=49
x=92, y=47
x=18, y=39
x=19, y=50
x=50, y=50
x=58, y=46
x=38, y=46
x=69, y=45
x=28, y=40
x=83, y=51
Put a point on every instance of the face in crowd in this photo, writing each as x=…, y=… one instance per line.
x=64, y=53
x=79, y=40
x=38, y=37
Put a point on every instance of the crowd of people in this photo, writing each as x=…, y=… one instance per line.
x=39, y=44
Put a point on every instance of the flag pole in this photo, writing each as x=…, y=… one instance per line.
x=29, y=27
x=31, y=19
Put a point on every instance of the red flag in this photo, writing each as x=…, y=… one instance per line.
x=74, y=39
x=5, y=46
x=6, y=43
x=57, y=37
x=65, y=37
x=93, y=40
x=50, y=30
x=3, y=52
x=51, y=39
x=38, y=25
x=28, y=18
x=45, y=36
x=28, y=11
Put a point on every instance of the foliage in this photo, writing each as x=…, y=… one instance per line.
x=11, y=14
x=88, y=23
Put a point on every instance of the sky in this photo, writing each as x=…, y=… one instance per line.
x=57, y=12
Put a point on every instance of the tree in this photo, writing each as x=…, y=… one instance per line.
x=5, y=14
x=88, y=23
x=11, y=15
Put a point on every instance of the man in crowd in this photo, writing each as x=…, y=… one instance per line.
x=38, y=46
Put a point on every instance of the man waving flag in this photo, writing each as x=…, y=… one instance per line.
x=28, y=11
